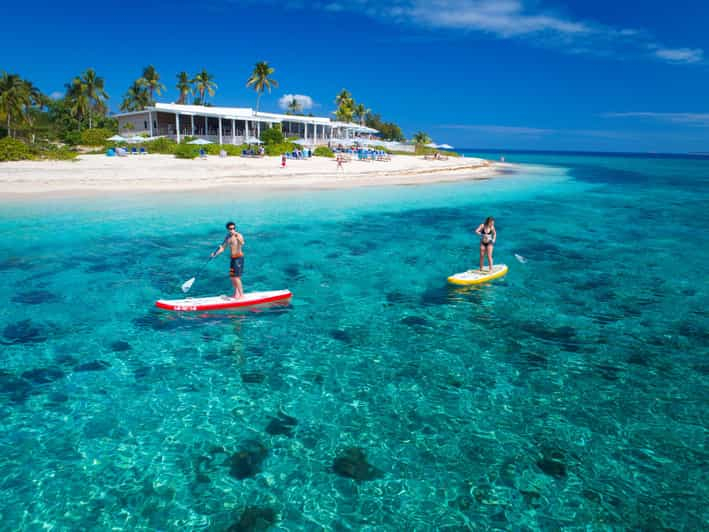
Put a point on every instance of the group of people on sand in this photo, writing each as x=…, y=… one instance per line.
x=234, y=241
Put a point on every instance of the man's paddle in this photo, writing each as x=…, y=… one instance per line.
x=188, y=284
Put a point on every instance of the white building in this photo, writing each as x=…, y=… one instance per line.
x=232, y=125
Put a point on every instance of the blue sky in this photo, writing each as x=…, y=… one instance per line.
x=516, y=74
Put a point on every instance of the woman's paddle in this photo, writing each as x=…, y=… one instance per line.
x=188, y=284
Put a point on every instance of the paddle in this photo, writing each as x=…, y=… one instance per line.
x=188, y=284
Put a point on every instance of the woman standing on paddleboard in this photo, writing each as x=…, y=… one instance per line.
x=488, y=235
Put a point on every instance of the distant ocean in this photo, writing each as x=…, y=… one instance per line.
x=572, y=394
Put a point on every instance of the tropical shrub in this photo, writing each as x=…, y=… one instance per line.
x=280, y=149
x=95, y=137
x=13, y=150
x=273, y=135
x=186, y=151
x=57, y=153
x=323, y=151
x=161, y=145
x=72, y=138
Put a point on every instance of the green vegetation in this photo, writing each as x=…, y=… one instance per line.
x=186, y=151
x=345, y=106
x=13, y=150
x=280, y=149
x=151, y=81
x=273, y=135
x=184, y=87
x=203, y=85
x=95, y=137
x=86, y=97
x=293, y=107
x=422, y=138
x=18, y=99
x=261, y=79
x=161, y=145
x=323, y=151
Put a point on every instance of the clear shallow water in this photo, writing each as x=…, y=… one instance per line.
x=572, y=393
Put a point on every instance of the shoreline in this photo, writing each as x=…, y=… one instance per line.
x=91, y=175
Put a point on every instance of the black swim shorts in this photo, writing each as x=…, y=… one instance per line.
x=236, y=267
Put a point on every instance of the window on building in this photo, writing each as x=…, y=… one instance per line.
x=145, y=124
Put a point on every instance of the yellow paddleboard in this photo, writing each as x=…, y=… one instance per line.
x=477, y=276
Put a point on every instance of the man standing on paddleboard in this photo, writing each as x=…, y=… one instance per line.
x=235, y=242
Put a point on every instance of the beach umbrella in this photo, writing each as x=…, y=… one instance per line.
x=136, y=139
x=117, y=138
x=253, y=140
x=445, y=146
x=302, y=142
x=432, y=145
x=200, y=141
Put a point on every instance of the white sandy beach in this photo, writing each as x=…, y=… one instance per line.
x=150, y=173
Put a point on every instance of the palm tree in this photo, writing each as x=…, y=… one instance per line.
x=361, y=112
x=422, y=138
x=94, y=87
x=136, y=98
x=204, y=83
x=345, y=106
x=151, y=80
x=344, y=98
x=184, y=87
x=11, y=99
x=78, y=99
x=260, y=79
x=32, y=99
x=293, y=106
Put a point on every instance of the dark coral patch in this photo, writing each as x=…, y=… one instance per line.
x=24, y=332
x=246, y=462
x=255, y=519
x=120, y=346
x=43, y=375
x=94, y=365
x=415, y=321
x=35, y=297
x=340, y=335
x=253, y=377
x=552, y=463
x=352, y=463
x=281, y=424
x=15, y=388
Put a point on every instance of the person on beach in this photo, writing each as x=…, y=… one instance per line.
x=488, y=236
x=235, y=242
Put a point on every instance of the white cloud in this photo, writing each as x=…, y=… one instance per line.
x=520, y=19
x=680, y=55
x=56, y=95
x=304, y=102
x=691, y=119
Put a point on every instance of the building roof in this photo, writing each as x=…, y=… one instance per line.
x=245, y=113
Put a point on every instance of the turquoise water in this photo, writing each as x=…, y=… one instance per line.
x=570, y=395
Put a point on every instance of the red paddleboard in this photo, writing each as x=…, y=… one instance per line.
x=223, y=302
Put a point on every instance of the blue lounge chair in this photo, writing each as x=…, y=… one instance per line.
x=110, y=152
x=134, y=151
x=202, y=154
x=143, y=151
